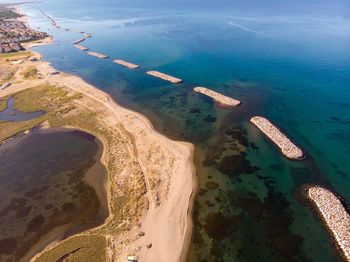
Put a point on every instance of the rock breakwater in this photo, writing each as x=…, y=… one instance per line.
x=222, y=99
x=334, y=215
x=165, y=77
x=288, y=148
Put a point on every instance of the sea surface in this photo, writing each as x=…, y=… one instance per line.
x=46, y=189
x=292, y=67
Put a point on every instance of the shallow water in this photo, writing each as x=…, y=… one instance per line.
x=292, y=67
x=43, y=187
x=10, y=114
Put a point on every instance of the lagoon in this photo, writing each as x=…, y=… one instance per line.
x=52, y=185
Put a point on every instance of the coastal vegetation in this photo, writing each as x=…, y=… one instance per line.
x=90, y=248
x=3, y=104
x=30, y=73
x=15, y=55
x=8, y=75
x=67, y=108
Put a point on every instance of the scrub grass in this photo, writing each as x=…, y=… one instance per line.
x=46, y=98
x=3, y=104
x=9, y=76
x=15, y=54
x=30, y=73
x=88, y=248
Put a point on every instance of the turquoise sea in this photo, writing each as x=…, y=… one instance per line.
x=291, y=66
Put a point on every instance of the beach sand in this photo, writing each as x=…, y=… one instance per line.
x=167, y=166
x=166, y=226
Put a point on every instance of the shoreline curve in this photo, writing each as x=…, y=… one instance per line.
x=184, y=149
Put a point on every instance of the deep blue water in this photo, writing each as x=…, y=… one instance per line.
x=292, y=67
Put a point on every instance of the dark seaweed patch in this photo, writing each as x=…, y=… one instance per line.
x=209, y=204
x=343, y=174
x=48, y=206
x=218, y=199
x=211, y=185
x=277, y=220
x=23, y=212
x=208, y=162
x=252, y=206
x=197, y=236
x=218, y=226
x=195, y=110
x=36, y=223
x=235, y=165
x=254, y=146
x=210, y=119
x=340, y=136
x=8, y=246
x=16, y=204
x=35, y=191
x=69, y=207
x=239, y=134
x=202, y=192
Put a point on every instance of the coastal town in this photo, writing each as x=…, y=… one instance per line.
x=13, y=32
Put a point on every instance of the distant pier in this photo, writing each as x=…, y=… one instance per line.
x=288, y=148
x=77, y=31
x=82, y=48
x=127, y=64
x=163, y=76
x=222, y=99
x=334, y=215
x=97, y=55
x=53, y=22
x=78, y=41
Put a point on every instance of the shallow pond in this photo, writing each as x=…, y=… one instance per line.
x=10, y=114
x=52, y=185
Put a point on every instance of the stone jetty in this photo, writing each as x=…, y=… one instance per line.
x=77, y=31
x=220, y=98
x=53, y=22
x=334, y=215
x=97, y=55
x=87, y=35
x=288, y=148
x=78, y=41
x=127, y=64
x=82, y=48
x=163, y=76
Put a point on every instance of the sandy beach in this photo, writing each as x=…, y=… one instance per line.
x=167, y=167
x=167, y=224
